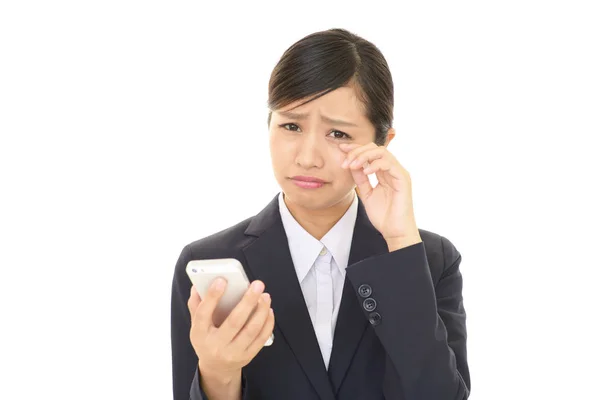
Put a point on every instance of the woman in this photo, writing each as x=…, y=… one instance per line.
x=362, y=303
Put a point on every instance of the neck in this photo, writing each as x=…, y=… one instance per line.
x=318, y=222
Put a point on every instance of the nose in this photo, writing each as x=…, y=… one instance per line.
x=309, y=152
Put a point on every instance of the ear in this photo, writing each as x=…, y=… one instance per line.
x=390, y=135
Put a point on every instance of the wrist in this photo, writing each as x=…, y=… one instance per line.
x=398, y=243
x=220, y=377
x=221, y=385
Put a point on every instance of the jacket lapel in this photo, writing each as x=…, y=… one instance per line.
x=269, y=260
x=351, y=322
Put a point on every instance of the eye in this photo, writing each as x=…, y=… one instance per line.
x=340, y=135
x=290, y=127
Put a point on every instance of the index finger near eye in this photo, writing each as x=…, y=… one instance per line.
x=355, y=152
x=347, y=147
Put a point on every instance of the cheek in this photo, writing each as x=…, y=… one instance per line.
x=336, y=158
x=340, y=156
x=278, y=148
x=275, y=145
x=282, y=152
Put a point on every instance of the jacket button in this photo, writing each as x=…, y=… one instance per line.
x=369, y=304
x=375, y=318
x=365, y=291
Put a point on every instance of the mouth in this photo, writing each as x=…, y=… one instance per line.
x=307, y=179
x=308, y=182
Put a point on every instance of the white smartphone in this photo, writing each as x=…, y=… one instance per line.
x=203, y=272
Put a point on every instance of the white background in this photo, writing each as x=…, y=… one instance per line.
x=131, y=128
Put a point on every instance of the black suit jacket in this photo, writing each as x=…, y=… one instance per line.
x=411, y=346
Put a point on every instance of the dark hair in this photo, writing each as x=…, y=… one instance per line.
x=324, y=61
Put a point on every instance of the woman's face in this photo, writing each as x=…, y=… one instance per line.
x=304, y=144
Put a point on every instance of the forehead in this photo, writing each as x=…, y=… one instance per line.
x=341, y=103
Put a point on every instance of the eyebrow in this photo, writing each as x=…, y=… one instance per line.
x=300, y=116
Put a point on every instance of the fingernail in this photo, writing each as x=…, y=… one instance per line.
x=266, y=297
x=257, y=287
x=345, y=164
x=219, y=284
x=354, y=163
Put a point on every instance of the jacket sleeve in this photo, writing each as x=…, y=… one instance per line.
x=185, y=372
x=183, y=357
x=421, y=324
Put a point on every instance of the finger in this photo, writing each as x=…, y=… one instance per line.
x=351, y=156
x=204, y=312
x=353, y=153
x=263, y=336
x=254, y=325
x=383, y=165
x=362, y=183
x=193, y=300
x=347, y=147
x=238, y=317
x=367, y=157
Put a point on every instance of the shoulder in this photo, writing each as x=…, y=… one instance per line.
x=221, y=244
x=227, y=243
x=442, y=254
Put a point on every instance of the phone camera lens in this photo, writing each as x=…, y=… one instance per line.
x=194, y=270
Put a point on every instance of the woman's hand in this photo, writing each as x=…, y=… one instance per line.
x=389, y=205
x=223, y=351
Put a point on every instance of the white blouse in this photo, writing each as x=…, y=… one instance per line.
x=321, y=269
